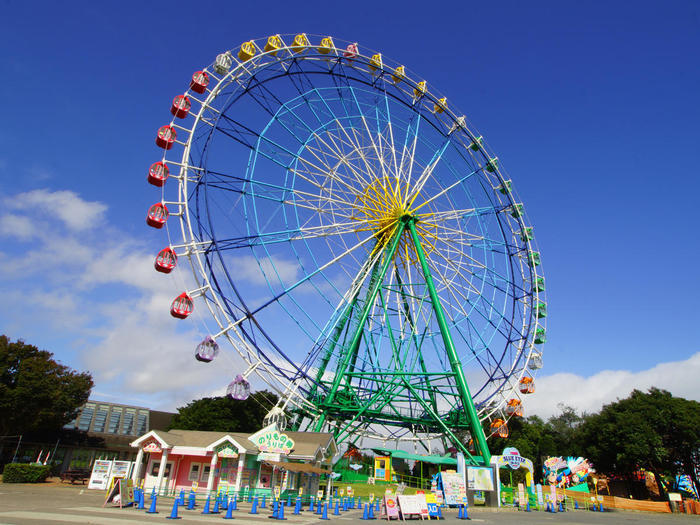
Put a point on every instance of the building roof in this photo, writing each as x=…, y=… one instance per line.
x=306, y=444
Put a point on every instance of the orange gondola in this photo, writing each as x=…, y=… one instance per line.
x=527, y=385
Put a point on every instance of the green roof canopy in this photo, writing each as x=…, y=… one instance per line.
x=438, y=460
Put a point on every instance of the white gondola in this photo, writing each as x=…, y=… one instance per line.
x=223, y=62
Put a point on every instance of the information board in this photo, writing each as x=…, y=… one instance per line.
x=522, y=502
x=416, y=504
x=479, y=478
x=540, y=497
x=99, y=478
x=454, y=488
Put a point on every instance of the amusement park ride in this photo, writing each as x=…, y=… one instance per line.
x=356, y=243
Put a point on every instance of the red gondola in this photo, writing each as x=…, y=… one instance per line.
x=158, y=173
x=182, y=306
x=166, y=137
x=166, y=260
x=157, y=215
x=200, y=81
x=181, y=106
x=351, y=51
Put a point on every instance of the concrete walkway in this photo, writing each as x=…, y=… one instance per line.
x=55, y=505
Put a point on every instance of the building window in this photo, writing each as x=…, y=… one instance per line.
x=128, y=427
x=142, y=423
x=205, y=472
x=195, y=469
x=100, y=418
x=114, y=418
x=86, y=417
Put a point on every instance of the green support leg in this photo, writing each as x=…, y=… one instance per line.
x=461, y=382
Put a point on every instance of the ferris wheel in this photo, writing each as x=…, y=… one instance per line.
x=354, y=240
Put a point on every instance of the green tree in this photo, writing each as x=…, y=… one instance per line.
x=223, y=414
x=652, y=430
x=37, y=394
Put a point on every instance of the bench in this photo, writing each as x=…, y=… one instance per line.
x=75, y=475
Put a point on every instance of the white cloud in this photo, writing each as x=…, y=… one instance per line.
x=77, y=214
x=589, y=394
x=17, y=226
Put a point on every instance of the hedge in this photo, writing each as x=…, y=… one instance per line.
x=25, y=473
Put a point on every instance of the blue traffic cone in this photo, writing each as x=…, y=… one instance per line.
x=235, y=502
x=319, y=507
x=601, y=507
x=527, y=506
x=262, y=505
x=207, y=503
x=141, y=501
x=376, y=507
x=289, y=500
x=274, y=510
x=371, y=511
x=152, y=508
x=440, y=511
x=324, y=516
x=191, y=499
x=561, y=507
x=229, y=512
x=575, y=505
x=336, y=512
x=173, y=513
x=365, y=514
x=280, y=514
x=297, y=507
x=311, y=505
x=459, y=512
x=359, y=502
x=181, y=501
x=153, y=492
x=465, y=516
x=254, y=510
x=216, y=510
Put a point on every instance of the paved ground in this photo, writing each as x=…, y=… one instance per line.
x=55, y=505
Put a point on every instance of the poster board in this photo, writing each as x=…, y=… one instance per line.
x=416, y=504
x=120, y=469
x=522, y=502
x=540, y=497
x=126, y=492
x=454, y=488
x=390, y=508
x=99, y=478
x=479, y=478
x=432, y=504
x=349, y=490
x=112, y=492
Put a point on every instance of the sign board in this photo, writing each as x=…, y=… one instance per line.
x=432, y=504
x=415, y=504
x=513, y=458
x=269, y=439
x=674, y=496
x=319, y=494
x=301, y=491
x=120, y=469
x=99, y=478
x=226, y=450
x=454, y=488
x=276, y=492
x=391, y=509
x=479, y=497
x=522, y=502
x=371, y=497
x=126, y=492
x=152, y=446
x=195, y=486
x=479, y=478
x=540, y=497
x=342, y=492
x=269, y=456
x=350, y=491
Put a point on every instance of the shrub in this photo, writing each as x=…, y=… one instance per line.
x=25, y=473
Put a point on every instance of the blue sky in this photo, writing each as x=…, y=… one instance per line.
x=592, y=108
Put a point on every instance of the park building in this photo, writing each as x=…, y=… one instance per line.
x=100, y=430
x=267, y=462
